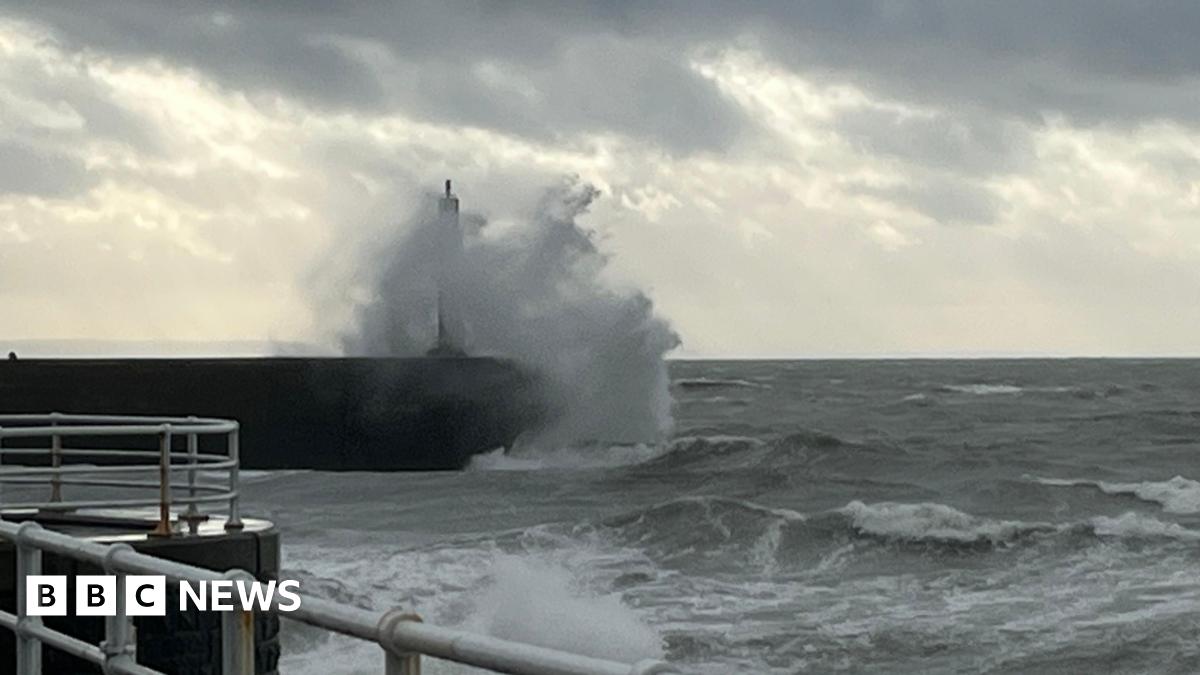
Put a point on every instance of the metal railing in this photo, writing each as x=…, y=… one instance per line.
x=178, y=475
x=402, y=636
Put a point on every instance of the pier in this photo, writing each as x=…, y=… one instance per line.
x=326, y=413
x=122, y=495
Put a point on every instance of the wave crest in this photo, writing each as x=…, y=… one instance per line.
x=1137, y=526
x=712, y=533
x=803, y=448
x=1177, y=495
x=933, y=522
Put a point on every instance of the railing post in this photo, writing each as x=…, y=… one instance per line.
x=55, y=461
x=397, y=662
x=401, y=664
x=192, y=516
x=235, y=512
x=29, y=561
x=120, y=642
x=237, y=633
x=163, y=528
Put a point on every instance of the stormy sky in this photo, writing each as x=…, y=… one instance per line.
x=783, y=179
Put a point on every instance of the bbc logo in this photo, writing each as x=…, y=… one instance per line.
x=95, y=595
x=146, y=595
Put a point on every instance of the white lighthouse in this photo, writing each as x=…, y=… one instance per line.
x=450, y=244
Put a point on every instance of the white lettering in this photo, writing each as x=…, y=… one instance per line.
x=222, y=595
x=255, y=595
x=197, y=596
x=286, y=593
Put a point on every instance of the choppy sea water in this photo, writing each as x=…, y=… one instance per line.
x=807, y=517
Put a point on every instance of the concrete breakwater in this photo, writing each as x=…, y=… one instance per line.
x=367, y=414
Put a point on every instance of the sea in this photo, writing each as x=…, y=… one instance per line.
x=857, y=516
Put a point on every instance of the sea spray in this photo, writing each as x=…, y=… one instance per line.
x=541, y=604
x=538, y=292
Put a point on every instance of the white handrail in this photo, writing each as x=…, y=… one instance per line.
x=51, y=432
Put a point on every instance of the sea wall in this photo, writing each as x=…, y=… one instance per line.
x=303, y=413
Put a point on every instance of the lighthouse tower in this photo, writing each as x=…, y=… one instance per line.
x=450, y=245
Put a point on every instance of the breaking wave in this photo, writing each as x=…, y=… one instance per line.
x=694, y=451
x=801, y=447
x=934, y=523
x=538, y=291
x=1177, y=495
x=714, y=532
x=1138, y=526
x=512, y=596
x=541, y=604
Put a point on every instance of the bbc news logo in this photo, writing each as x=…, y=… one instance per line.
x=146, y=595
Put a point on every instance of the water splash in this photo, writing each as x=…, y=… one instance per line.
x=541, y=604
x=537, y=292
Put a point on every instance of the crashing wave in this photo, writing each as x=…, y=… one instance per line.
x=1137, y=526
x=934, y=522
x=692, y=449
x=1177, y=495
x=707, y=532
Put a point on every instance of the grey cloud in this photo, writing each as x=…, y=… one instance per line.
x=1093, y=61
x=257, y=50
x=600, y=83
x=949, y=201
x=1101, y=61
x=422, y=58
x=954, y=202
x=27, y=170
x=971, y=143
x=620, y=66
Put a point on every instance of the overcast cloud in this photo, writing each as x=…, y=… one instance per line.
x=800, y=179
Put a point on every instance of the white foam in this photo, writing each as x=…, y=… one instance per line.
x=554, y=595
x=929, y=521
x=1139, y=525
x=542, y=604
x=1177, y=495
